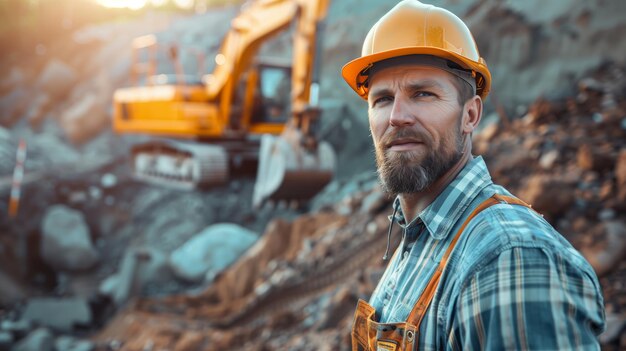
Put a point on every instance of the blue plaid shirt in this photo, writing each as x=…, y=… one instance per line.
x=512, y=282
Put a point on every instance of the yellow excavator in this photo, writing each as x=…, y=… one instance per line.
x=247, y=111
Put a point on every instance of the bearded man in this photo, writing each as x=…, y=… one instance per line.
x=477, y=268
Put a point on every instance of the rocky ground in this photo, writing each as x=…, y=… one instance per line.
x=95, y=260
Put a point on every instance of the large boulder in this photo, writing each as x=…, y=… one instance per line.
x=65, y=243
x=210, y=251
x=62, y=314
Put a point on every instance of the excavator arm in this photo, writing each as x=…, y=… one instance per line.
x=295, y=165
x=259, y=21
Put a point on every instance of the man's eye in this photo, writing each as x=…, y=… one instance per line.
x=423, y=94
x=381, y=100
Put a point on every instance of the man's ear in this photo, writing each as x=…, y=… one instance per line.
x=472, y=113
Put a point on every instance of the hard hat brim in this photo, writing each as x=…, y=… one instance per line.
x=353, y=69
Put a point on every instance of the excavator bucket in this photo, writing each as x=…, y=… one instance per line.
x=289, y=171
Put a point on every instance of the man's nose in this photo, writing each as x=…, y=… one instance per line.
x=401, y=114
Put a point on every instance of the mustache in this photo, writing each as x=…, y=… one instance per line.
x=407, y=133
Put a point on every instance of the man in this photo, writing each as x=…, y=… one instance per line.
x=477, y=268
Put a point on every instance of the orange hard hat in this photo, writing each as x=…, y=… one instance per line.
x=413, y=28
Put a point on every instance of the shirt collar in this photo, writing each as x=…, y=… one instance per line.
x=441, y=215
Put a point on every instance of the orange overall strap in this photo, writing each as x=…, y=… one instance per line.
x=418, y=312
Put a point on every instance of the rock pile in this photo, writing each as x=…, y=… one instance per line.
x=565, y=157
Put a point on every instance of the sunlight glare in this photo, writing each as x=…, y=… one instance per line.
x=131, y=4
x=185, y=4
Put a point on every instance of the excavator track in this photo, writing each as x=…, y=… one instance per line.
x=180, y=165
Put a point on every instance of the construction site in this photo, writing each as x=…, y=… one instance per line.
x=128, y=224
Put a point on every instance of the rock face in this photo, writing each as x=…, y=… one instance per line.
x=66, y=244
x=545, y=46
x=210, y=251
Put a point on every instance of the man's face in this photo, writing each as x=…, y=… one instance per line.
x=415, y=120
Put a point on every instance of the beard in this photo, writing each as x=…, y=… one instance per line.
x=414, y=171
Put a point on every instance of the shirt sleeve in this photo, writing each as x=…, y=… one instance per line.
x=527, y=299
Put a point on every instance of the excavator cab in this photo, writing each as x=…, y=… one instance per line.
x=262, y=104
x=274, y=89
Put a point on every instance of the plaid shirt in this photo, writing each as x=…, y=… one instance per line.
x=512, y=281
